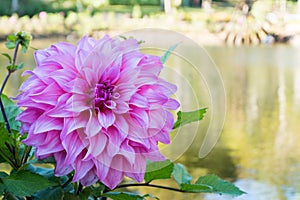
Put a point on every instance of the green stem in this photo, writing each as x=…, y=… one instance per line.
x=13, y=149
x=151, y=185
x=15, y=53
x=79, y=189
x=26, y=154
x=4, y=115
x=4, y=84
x=67, y=182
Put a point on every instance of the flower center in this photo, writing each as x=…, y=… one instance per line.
x=103, y=96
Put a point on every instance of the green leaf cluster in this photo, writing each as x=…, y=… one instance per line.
x=204, y=184
x=13, y=41
x=22, y=37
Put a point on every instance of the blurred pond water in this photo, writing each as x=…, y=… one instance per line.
x=259, y=146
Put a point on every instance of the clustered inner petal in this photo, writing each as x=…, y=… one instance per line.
x=104, y=93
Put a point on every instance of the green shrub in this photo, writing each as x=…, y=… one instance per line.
x=134, y=2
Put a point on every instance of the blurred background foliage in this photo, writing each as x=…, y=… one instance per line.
x=33, y=7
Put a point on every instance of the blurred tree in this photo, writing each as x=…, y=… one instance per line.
x=14, y=6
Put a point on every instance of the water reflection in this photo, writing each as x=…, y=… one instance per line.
x=259, y=146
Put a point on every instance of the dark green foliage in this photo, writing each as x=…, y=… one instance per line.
x=49, y=194
x=134, y=2
x=123, y=196
x=33, y=7
x=25, y=183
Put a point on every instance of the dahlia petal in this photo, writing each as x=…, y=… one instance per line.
x=102, y=164
x=50, y=145
x=112, y=74
x=80, y=58
x=29, y=115
x=114, y=178
x=166, y=87
x=115, y=136
x=78, y=103
x=73, y=147
x=97, y=144
x=139, y=101
x=80, y=86
x=35, y=140
x=90, y=76
x=106, y=118
x=86, y=43
x=62, y=78
x=139, y=169
x=93, y=126
x=45, y=123
x=59, y=110
x=71, y=124
x=122, y=125
x=81, y=168
x=158, y=119
x=61, y=168
x=90, y=178
x=171, y=104
x=162, y=137
x=140, y=117
x=121, y=107
x=154, y=156
x=48, y=96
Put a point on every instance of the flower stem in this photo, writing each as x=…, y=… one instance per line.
x=151, y=185
x=3, y=86
x=15, y=52
x=5, y=81
x=4, y=116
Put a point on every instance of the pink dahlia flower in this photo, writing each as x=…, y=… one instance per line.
x=99, y=108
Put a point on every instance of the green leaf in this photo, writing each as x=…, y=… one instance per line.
x=10, y=45
x=49, y=194
x=69, y=196
x=97, y=191
x=10, y=196
x=197, y=188
x=167, y=54
x=83, y=195
x=123, y=196
x=184, y=118
x=45, y=172
x=2, y=188
x=158, y=170
x=181, y=175
x=25, y=183
x=3, y=174
x=24, y=49
x=11, y=37
x=12, y=111
x=7, y=56
x=4, y=136
x=19, y=66
x=219, y=186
